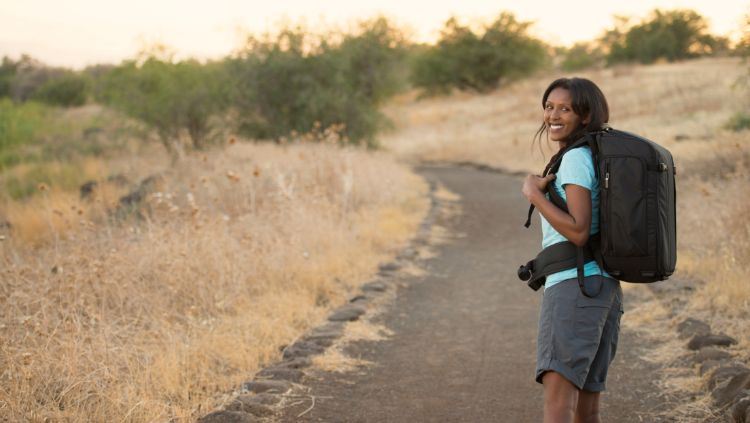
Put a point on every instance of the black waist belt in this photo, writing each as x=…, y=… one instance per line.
x=558, y=257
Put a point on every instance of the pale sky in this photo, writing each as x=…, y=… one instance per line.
x=76, y=33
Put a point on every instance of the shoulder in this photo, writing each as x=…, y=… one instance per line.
x=577, y=167
x=580, y=155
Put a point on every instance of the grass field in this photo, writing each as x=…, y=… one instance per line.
x=230, y=256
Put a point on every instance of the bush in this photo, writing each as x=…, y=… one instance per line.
x=168, y=97
x=19, y=125
x=581, y=56
x=467, y=60
x=666, y=35
x=7, y=73
x=295, y=82
x=66, y=91
x=740, y=121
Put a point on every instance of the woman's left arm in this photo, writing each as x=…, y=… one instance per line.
x=574, y=225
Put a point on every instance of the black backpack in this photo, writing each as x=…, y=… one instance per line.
x=637, y=239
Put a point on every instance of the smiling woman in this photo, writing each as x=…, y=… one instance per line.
x=578, y=332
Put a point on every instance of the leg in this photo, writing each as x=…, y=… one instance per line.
x=560, y=398
x=587, y=410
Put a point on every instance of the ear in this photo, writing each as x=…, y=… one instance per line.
x=587, y=119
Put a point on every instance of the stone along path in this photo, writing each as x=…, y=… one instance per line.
x=463, y=338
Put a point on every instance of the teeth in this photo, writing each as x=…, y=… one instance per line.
x=555, y=126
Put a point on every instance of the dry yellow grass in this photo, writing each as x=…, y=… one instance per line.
x=154, y=318
x=659, y=102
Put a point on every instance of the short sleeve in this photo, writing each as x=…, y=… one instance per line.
x=577, y=168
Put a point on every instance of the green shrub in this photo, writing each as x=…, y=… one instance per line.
x=66, y=91
x=19, y=125
x=68, y=177
x=581, y=56
x=295, y=82
x=168, y=97
x=467, y=60
x=667, y=35
x=7, y=73
x=740, y=121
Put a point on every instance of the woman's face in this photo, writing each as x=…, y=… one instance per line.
x=559, y=116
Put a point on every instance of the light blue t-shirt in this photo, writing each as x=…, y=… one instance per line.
x=577, y=168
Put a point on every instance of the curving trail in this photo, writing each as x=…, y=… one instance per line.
x=464, y=334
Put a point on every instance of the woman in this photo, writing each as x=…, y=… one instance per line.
x=577, y=334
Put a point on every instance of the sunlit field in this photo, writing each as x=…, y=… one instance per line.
x=155, y=311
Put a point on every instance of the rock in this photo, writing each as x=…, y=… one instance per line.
x=726, y=394
x=359, y=299
x=681, y=137
x=281, y=373
x=324, y=341
x=700, y=341
x=252, y=404
x=87, y=189
x=711, y=353
x=708, y=366
x=388, y=268
x=376, y=286
x=722, y=374
x=225, y=416
x=408, y=253
x=329, y=329
x=347, y=313
x=690, y=327
x=296, y=363
x=302, y=349
x=270, y=386
x=741, y=409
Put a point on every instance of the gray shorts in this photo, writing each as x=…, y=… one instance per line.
x=578, y=335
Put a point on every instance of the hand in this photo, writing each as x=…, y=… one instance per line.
x=535, y=185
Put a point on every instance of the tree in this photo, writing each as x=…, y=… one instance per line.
x=169, y=97
x=667, y=35
x=295, y=81
x=469, y=60
x=66, y=90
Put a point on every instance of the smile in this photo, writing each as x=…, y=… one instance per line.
x=555, y=126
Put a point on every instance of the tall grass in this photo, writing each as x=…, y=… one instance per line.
x=232, y=256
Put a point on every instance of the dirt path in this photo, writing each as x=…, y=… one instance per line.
x=463, y=343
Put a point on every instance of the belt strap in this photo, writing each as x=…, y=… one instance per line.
x=562, y=256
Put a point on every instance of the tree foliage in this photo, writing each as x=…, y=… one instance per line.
x=67, y=90
x=665, y=35
x=172, y=98
x=580, y=56
x=295, y=81
x=478, y=60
